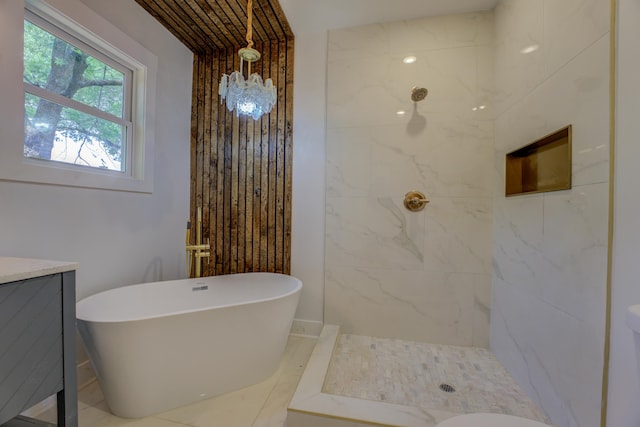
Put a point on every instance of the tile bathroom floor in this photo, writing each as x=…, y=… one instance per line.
x=261, y=405
x=411, y=374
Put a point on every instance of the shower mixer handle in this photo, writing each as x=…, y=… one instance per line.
x=415, y=201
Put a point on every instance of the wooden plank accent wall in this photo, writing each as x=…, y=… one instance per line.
x=241, y=168
x=211, y=25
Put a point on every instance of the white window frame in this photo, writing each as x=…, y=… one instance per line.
x=83, y=24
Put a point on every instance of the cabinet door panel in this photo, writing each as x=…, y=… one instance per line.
x=30, y=343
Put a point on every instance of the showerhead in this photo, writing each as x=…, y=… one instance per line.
x=418, y=93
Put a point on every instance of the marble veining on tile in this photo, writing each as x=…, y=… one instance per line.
x=412, y=373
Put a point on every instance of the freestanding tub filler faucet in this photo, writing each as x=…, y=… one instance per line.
x=196, y=252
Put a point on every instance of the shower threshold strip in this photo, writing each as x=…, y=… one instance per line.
x=310, y=407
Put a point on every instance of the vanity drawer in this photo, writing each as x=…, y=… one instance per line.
x=31, y=344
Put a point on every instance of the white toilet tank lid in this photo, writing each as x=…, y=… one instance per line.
x=633, y=317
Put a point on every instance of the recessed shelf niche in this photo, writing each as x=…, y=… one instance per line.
x=543, y=165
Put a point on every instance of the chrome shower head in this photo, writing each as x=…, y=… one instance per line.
x=418, y=94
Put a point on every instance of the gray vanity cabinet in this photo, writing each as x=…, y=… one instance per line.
x=38, y=347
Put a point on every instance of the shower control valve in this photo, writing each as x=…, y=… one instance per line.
x=415, y=201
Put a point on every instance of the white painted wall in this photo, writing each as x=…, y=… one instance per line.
x=307, y=234
x=550, y=249
x=119, y=238
x=624, y=391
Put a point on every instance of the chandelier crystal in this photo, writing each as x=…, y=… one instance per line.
x=250, y=97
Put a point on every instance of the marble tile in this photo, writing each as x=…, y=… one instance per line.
x=382, y=363
x=311, y=407
x=518, y=239
x=532, y=342
x=374, y=248
x=523, y=123
x=570, y=26
x=550, y=249
x=359, y=42
x=518, y=24
x=481, y=310
x=575, y=243
x=408, y=304
x=410, y=36
x=485, y=82
x=458, y=235
x=355, y=85
x=373, y=232
x=390, y=160
x=295, y=356
x=451, y=157
x=349, y=161
x=274, y=411
x=411, y=373
x=441, y=32
x=578, y=94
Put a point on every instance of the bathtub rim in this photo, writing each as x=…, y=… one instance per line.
x=297, y=289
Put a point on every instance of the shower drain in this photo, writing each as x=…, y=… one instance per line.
x=447, y=388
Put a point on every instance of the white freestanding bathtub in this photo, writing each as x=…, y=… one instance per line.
x=157, y=346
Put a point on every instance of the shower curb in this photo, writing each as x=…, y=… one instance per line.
x=310, y=407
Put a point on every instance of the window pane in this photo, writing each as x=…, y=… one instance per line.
x=55, y=65
x=58, y=133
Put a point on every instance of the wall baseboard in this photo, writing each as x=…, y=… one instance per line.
x=306, y=328
x=85, y=374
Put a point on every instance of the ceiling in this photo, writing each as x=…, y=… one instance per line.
x=307, y=16
x=207, y=25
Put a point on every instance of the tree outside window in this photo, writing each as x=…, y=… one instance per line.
x=77, y=102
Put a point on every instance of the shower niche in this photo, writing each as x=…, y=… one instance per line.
x=543, y=165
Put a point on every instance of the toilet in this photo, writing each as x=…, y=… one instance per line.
x=500, y=420
x=489, y=420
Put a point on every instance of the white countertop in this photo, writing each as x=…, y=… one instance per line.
x=13, y=269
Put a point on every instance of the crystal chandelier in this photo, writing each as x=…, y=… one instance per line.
x=250, y=97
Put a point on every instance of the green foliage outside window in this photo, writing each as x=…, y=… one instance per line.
x=74, y=104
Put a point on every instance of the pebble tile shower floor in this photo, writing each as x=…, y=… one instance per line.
x=420, y=375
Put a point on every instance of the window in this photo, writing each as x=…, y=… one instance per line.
x=88, y=93
x=76, y=101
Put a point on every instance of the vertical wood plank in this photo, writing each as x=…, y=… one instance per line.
x=264, y=170
x=280, y=158
x=242, y=189
x=211, y=161
x=219, y=165
x=273, y=165
x=249, y=197
x=258, y=180
x=194, y=141
x=288, y=157
x=234, y=187
x=206, y=155
x=199, y=159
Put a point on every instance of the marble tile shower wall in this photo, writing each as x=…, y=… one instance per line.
x=550, y=249
x=426, y=275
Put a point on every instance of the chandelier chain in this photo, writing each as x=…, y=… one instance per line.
x=250, y=23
